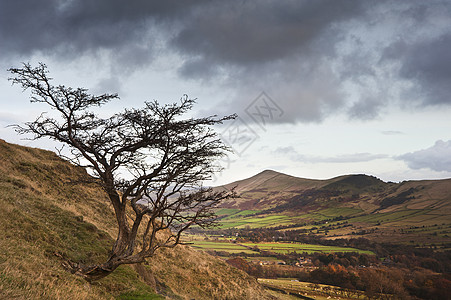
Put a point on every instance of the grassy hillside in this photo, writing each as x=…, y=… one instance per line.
x=268, y=189
x=46, y=219
x=416, y=212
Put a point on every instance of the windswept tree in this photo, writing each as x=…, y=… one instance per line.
x=151, y=163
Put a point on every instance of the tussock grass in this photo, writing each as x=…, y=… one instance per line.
x=46, y=220
x=208, y=278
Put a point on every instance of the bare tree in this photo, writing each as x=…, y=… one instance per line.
x=163, y=158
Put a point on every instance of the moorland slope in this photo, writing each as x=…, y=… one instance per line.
x=46, y=219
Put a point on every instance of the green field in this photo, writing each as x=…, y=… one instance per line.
x=255, y=221
x=300, y=248
x=222, y=246
x=241, y=214
x=280, y=248
x=226, y=211
x=236, y=218
x=423, y=226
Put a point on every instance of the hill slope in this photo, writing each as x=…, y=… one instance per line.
x=45, y=220
x=349, y=205
x=270, y=189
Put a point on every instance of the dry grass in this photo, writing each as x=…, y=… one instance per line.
x=44, y=221
x=198, y=276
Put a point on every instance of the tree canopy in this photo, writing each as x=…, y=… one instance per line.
x=150, y=161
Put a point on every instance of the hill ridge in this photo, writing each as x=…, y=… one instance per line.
x=371, y=206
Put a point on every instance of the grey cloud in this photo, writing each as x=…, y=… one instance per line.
x=302, y=53
x=366, y=108
x=128, y=33
x=282, y=48
x=343, y=158
x=423, y=55
x=66, y=28
x=306, y=94
x=271, y=45
x=253, y=34
x=109, y=85
x=436, y=158
x=297, y=59
x=428, y=64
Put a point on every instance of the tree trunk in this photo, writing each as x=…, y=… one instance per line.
x=123, y=237
x=96, y=272
x=92, y=272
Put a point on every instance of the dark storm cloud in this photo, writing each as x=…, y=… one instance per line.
x=284, y=48
x=238, y=32
x=427, y=63
x=73, y=27
x=258, y=33
x=304, y=54
x=436, y=158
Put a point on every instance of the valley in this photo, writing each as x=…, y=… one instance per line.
x=348, y=232
x=353, y=237
x=415, y=212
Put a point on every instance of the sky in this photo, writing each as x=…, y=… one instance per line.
x=322, y=88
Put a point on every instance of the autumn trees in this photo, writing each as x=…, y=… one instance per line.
x=149, y=161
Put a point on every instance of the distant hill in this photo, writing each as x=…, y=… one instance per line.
x=271, y=189
x=268, y=189
x=370, y=206
x=45, y=220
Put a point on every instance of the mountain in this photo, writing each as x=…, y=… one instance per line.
x=45, y=220
x=343, y=207
x=271, y=189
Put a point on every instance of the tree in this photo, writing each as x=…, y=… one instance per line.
x=149, y=161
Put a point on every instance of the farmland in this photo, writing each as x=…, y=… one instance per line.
x=400, y=226
x=255, y=222
x=363, y=237
x=343, y=207
x=284, y=248
x=278, y=248
x=222, y=246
